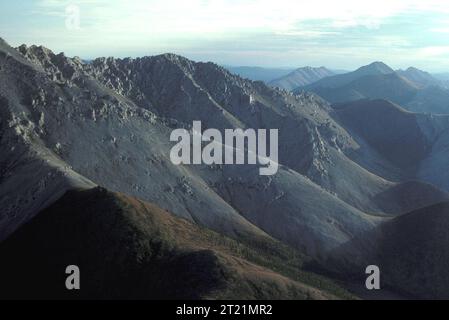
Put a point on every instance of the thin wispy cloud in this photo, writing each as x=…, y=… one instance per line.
x=223, y=15
x=242, y=28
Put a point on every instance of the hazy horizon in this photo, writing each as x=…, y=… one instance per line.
x=285, y=34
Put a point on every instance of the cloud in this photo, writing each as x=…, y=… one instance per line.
x=307, y=34
x=221, y=16
x=434, y=51
x=442, y=27
x=263, y=31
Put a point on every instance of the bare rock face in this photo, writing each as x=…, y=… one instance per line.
x=66, y=123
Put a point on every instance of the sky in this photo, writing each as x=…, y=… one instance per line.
x=343, y=34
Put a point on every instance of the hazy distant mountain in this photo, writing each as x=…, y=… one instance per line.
x=443, y=77
x=259, y=73
x=343, y=173
x=301, y=77
x=420, y=78
x=339, y=71
x=413, y=89
x=385, y=86
x=375, y=68
x=434, y=99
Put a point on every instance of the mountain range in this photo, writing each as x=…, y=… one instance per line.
x=420, y=78
x=413, y=89
x=444, y=77
x=87, y=144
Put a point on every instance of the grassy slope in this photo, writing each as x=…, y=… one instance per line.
x=126, y=248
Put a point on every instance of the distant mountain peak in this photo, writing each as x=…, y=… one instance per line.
x=376, y=67
x=419, y=77
x=312, y=68
x=378, y=63
x=301, y=77
x=414, y=69
x=172, y=56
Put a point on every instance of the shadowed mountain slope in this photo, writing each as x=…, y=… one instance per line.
x=414, y=143
x=392, y=131
x=126, y=248
x=411, y=252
